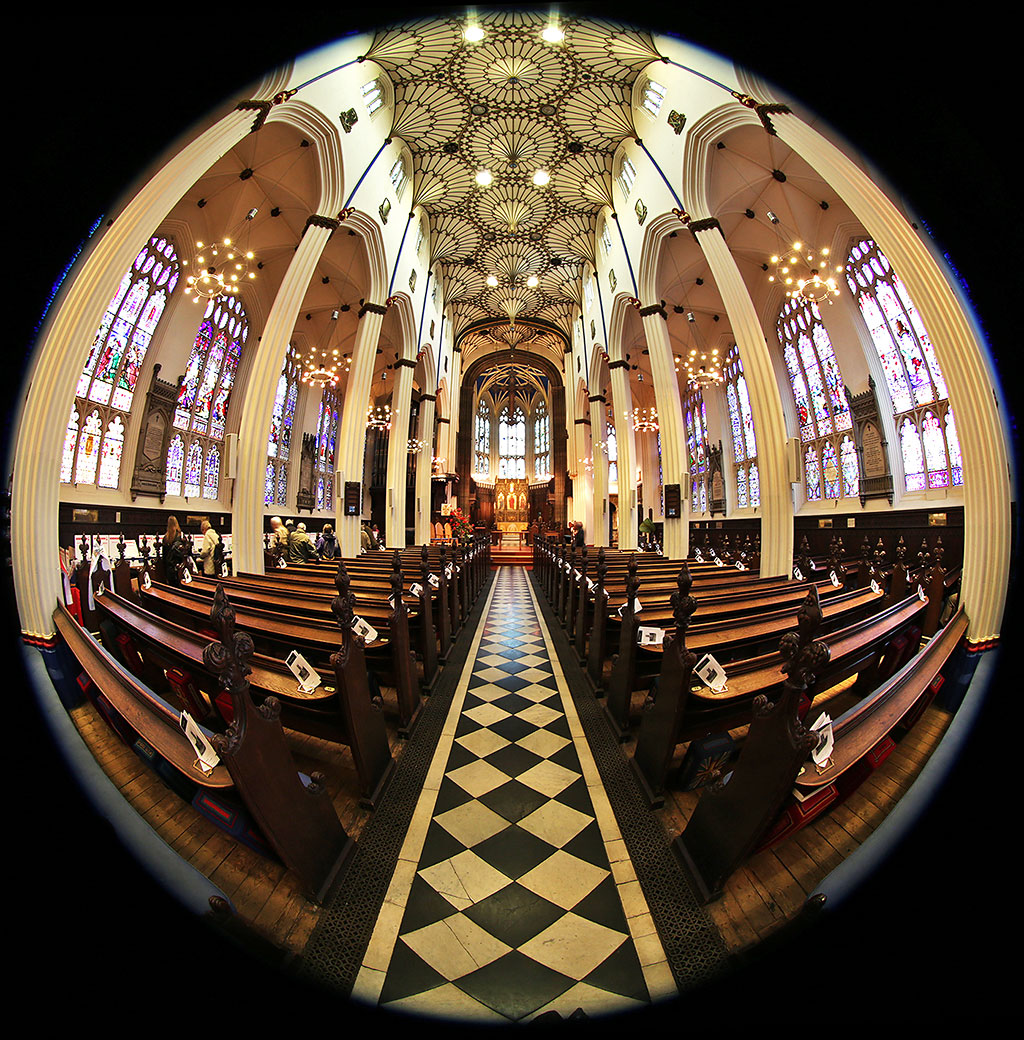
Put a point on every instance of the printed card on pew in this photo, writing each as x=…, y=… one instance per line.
x=718, y=562
x=147, y=581
x=740, y=565
x=650, y=636
x=798, y=574
x=207, y=758
x=364, y=629
x=416, y=589
x=832, y=577
x=591, y=585
x=578, y=576
x=711, y=673
x=821, y=753
x=875, y=587
x=308, y=677
x=636, y=606
x=434, y=580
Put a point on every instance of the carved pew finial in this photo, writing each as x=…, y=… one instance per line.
x=683, y=604
x=343, y=606
x=121, y=546
x=803, y=655
x=229, y=658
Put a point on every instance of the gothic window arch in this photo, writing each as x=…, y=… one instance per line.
x=94, y=438
x=695, y=418
x=654, y=96
x=374, y=95
x=612, y=446
x=482, y=438
x=512, y=442
x=399, y=178
x=541, y=440
x=741, y=420
x=627, y=175
x=925, y=426
x=282, y=418
x=823, y=413
x=201, y=412
x=326, y=442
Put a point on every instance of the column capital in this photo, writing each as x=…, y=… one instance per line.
x=405, y=363
x=612, y=365
x=767, y=110
x=428, y=397
x=261, y=108
x=705, y=224
x=320, y=221
x=596, y=397
x=375, y=308
x=654, y=308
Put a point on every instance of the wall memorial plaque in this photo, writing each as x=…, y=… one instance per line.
x=673, y=502
x=353, y=498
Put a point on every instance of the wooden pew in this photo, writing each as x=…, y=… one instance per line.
x=753, y=809
x=158, y=647
x=295, y=816
x=277, y=635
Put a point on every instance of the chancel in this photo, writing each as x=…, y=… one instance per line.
x=612, y=508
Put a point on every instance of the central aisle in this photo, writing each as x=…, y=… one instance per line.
x=513, y=894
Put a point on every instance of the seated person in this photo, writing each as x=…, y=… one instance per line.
x=300, y=546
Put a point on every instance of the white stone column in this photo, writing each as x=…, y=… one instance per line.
x=254, y=428
x=352, y=426
x=969, y=377
x=398, y=454
x=423, y=469
x=583, y=486
x=765, y=404
x=60, y=354
x=670, y=421
x=598, y=430
x=622, y=404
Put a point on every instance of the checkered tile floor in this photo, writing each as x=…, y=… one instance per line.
x=514, y=894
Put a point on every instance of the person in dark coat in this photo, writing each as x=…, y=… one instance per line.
x=327, y=544
x=174, y=552
x=578, y=538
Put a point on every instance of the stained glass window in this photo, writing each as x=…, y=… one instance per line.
x=268, y=485
x=399, y=177
x=282, y=416
x=201, y=410
x=654, y=95
x=175, y=463
x=541, y=441
x=695, y=420
x=848, y=464
x=741, y=420
x=326, y=438
x=373, y=95
x=512, y=443
x=482, y=447
x=111, y=372
x=818, y=393
x=613, y=454
x=913, y=377
x=627, y=175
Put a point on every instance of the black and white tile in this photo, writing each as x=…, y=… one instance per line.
x=514, y=894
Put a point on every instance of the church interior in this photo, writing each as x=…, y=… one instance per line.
x=593, y=441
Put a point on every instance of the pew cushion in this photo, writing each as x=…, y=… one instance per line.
x=231, y=816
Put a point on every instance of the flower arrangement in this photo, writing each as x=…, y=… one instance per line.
x=462, y=527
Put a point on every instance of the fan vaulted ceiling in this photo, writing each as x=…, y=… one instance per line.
x=512, y=104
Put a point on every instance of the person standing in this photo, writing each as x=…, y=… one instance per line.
x=579, y=539
x=174, y=552
x=207, y=554
x=327, y=544
x=300, y=546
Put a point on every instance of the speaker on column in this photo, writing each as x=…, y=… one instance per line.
x=793, y=460
x=231, y=455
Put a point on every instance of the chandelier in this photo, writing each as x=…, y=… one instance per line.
x=222, y=267
x=701, y=366
x=803, y=271
x=416, y=446
x=644, y=420
x=320, y=363
x=379, y=418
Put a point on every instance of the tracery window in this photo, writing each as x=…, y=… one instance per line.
x=695, y=418
x=326, y=437
x=606, y=238
x=654, y=95
x=541, y=441
x=613, y=454
x=823, y=413
x=373, y=95
x=512, y=443
x=399, y=177
x=94, y=438
x=201, y=412
x=282, y=417
x=741, y=419
x=482, y=439
x=924, y=419
x=627, y=175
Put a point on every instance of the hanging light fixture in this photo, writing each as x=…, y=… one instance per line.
x=803, y=271
x=320, y=364
x=222, y=267
x=379, y=417
x=703, y=366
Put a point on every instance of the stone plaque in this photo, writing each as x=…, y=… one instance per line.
x=873, y=456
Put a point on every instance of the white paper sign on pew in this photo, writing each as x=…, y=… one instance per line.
x=821, y=753
x=304, y=672
x=578, y=576
x=698, y=556
x=416, y=590
x=147, y=581
x=875, y=587
x=636, y=607
x=740, y=565
x=711, y=673
x=206, y=758
x=364, y=629
x=448, y=572
x=920, y=594
x=591, y=585
x=834, y=578
x=281, y=563
x=434, y=580
x=798, y=574
x=650, y=636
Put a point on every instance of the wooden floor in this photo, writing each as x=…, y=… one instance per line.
x=760, y=897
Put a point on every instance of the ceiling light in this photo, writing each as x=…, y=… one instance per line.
x=552, y=34
x=492, y=281
x=533, y=281
x=473, y=34
x=541, y=177
x=484, y=177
